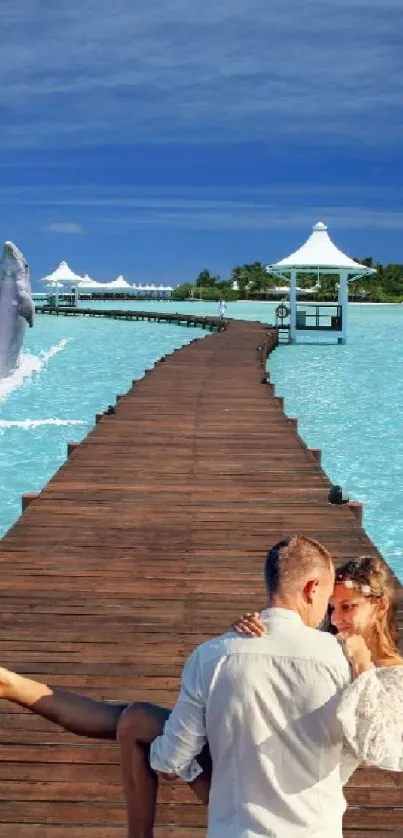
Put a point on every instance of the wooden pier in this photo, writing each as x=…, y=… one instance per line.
x=202, y=321
x=150, y=539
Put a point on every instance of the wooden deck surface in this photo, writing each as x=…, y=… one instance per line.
x=150, y=539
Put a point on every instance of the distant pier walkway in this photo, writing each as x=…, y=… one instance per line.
x=148, y=540
x=203, y=321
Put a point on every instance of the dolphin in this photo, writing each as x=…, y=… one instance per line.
x=16, y=306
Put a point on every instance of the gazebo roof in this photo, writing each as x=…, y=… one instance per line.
x=319, y=252
x=62, y=274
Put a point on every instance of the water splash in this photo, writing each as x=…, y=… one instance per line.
x=49, y=353
x=27, y=424
x=29, y=365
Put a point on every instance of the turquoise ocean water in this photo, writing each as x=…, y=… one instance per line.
x=348, y=399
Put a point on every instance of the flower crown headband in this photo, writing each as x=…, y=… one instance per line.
x=363, y=589
x=363, y=568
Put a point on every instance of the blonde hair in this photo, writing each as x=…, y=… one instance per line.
x=372, y=576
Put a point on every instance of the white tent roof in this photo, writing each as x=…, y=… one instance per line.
x=152, y=287
x=88, y=282
x=95, y=286
x=119, y=282
x=319, y=252
x=62, y=274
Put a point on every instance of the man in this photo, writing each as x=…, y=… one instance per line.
x=267, y=707
x=268, y=710
x=222, y=309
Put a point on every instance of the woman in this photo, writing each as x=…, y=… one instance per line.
x=362, y=611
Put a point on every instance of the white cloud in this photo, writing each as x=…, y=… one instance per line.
x=64, y=227
x=258, y=219
x=92, y=72
x=290, y=207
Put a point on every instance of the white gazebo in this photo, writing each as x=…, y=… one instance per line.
x=63, y=277
x=319, y=256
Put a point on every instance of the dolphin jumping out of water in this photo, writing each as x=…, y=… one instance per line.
x=16, y=306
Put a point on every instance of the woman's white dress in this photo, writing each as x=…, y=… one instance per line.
x=371, y=715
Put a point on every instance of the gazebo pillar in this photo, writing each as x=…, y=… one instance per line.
x=293, y=306
x=342, y=300
x=76, y=295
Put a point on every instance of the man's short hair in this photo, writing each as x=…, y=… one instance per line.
x=292, y=562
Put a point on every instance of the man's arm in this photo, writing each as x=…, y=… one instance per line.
x=185, y=731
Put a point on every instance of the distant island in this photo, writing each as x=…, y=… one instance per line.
x=252, y=282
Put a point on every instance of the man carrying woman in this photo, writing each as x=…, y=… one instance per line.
x=288, y=715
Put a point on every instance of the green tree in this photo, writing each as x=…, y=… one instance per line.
x=205, y=279
x=307, y=280
x=385, y=285
x=240, y=276
x=328, y=287
x=182, y=292
x=252, y=278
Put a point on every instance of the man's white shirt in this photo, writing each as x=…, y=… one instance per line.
x=268, y=707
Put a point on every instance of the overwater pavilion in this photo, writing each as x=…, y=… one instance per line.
x=63, y=278
x=319, y=255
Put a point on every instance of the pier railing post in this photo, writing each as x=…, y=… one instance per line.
x=357, y=509
x=71, y=446
x=27, y=499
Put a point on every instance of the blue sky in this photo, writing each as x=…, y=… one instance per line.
x=155, y=139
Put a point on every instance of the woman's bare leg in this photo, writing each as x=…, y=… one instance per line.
x=76, y=713
x=137, y=728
